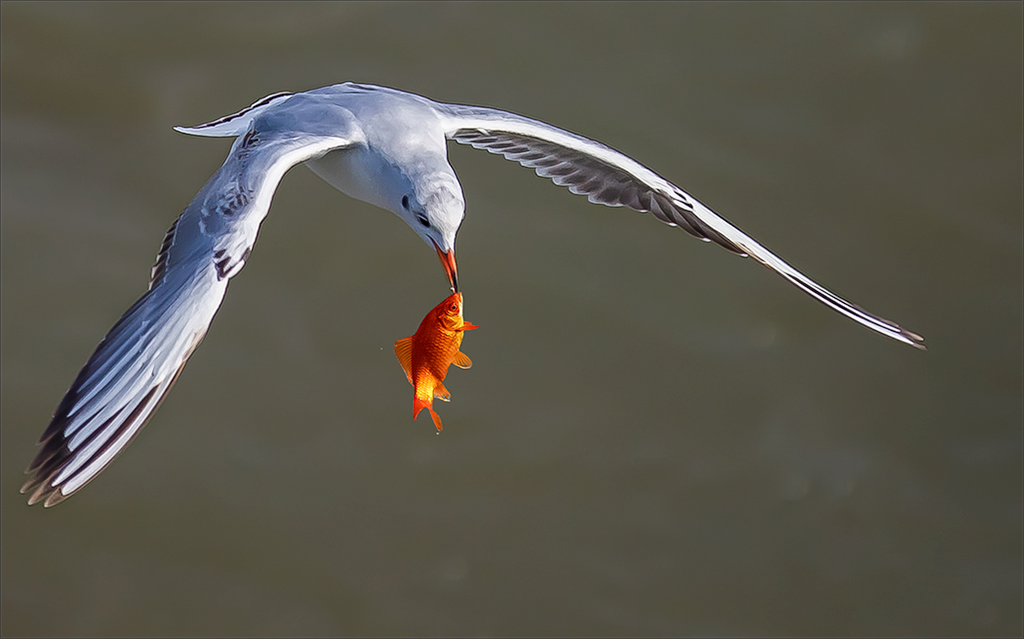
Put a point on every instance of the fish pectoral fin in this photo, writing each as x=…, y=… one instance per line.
x=462, y=360
x=441, y=393
x=466, y=326
x=403, y=350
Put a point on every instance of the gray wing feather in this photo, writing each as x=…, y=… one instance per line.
x=606, y=176
x=600, y=182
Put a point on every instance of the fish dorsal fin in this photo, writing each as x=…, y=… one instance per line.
x=462, y=360
x=403, y=350
x=441, y=393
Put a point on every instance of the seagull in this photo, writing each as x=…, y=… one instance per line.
x=383, y=146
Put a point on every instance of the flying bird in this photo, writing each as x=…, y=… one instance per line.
x=379, y=145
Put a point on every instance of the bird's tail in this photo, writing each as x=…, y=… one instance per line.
x=235, y=124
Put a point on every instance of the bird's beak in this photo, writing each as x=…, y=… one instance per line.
x=448, y=262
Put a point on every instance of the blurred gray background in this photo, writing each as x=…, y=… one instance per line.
x=658, y=438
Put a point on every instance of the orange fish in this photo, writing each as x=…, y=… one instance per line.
x=426, y=356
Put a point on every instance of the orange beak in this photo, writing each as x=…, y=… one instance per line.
x=448, y=262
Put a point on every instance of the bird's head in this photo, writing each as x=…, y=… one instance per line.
x=435, y=210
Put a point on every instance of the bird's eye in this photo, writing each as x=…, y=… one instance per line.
x=405, y=202
x=423, y=219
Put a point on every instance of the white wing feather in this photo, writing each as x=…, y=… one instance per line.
x=138, y=361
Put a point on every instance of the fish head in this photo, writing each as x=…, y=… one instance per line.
x=449, y=312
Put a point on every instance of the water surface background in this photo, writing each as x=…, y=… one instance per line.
x=657, y=437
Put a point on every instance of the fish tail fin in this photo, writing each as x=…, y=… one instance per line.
x=419, y=403
x=437, y=420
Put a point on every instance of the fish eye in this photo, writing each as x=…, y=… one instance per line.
x=453, y=307
x=405, y=202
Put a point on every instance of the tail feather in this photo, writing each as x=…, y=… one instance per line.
x=235, y=124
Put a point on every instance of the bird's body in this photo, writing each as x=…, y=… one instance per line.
x=426, y=355
x=383, y=146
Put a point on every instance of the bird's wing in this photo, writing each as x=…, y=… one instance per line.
x=138, y=361
x=609, y=177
